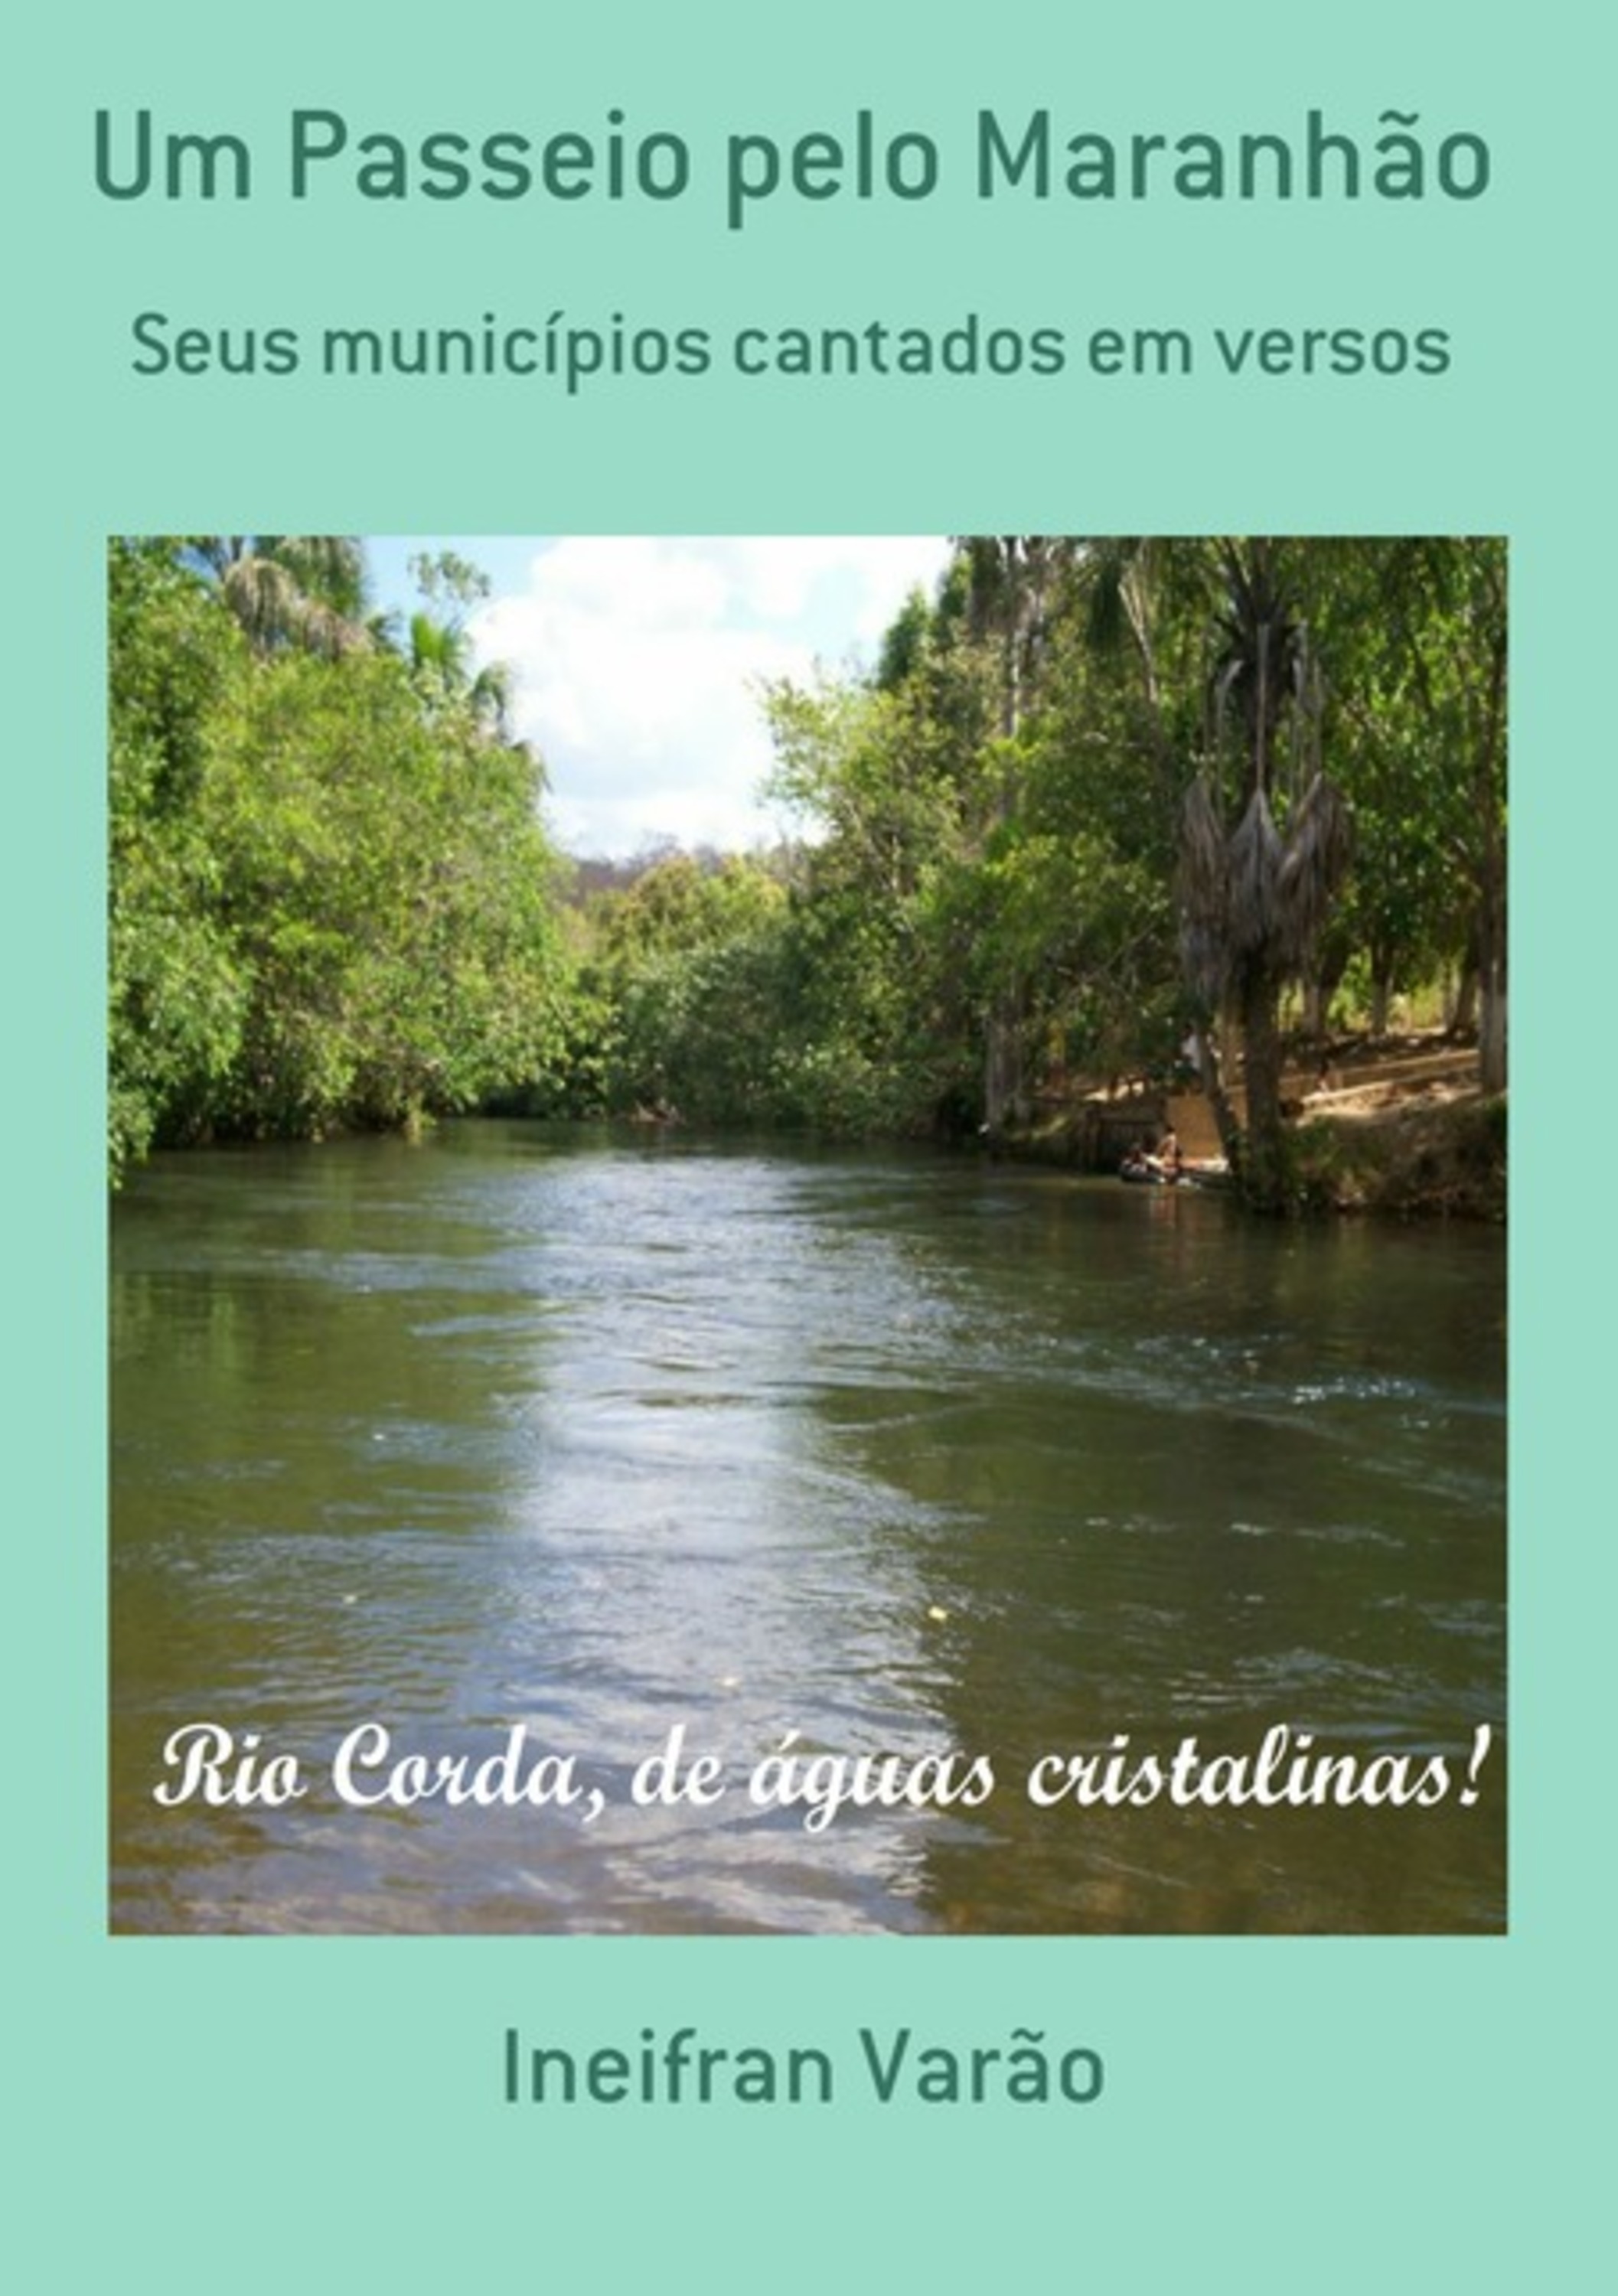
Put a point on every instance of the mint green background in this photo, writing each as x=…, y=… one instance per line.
x=1283, y=2114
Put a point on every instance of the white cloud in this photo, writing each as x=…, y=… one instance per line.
x=638, y=659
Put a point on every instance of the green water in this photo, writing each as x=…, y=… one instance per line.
x=904, y=1454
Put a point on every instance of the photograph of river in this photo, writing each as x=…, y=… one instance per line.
x=620, y=1421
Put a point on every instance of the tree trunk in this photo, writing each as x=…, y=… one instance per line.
x=1463, y=1008
x=1263, y=1148
x=1382, y=997
x=1491, y=1034
x=1002, y=1041
x=1321, y=985
x=1001, y=1080
x=1491, y=972
x=1211, y=1076
x=1224, y=1115
x=1491, y=997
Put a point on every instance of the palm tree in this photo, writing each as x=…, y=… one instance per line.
x=289, y=592
x=1264, y=836
x=1011, y=583
x=441, y=660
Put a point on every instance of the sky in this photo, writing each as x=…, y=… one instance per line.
x=637, y=661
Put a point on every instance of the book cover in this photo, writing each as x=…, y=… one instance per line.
x=668, y=1680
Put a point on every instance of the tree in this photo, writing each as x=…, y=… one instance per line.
x=175, y=992
x=1012, y=580
x=1264, y=837
x=304, y=592
x=885, y=1030
x=390, y=893
x=332, y=900
x=1086, y=797
x=440, y=650
x=1442, y=617
x=689, y=963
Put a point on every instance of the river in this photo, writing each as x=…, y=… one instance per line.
x=549, y=1449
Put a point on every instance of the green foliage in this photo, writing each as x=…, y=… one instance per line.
x=996, y=895
x=972, y=881
x=176, y=993
x=1090, y=789
x=331, y=903
x=686, y=971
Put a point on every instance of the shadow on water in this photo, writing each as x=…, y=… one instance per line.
x=610, y=1438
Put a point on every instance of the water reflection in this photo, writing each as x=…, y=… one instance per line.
x=900, y=1454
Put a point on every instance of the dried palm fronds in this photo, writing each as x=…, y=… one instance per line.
x=1255, y=870
x=1313, y=863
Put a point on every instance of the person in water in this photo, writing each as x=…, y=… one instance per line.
x=1163, y=1162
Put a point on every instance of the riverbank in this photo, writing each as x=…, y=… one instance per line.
x=1443, y=1156
x=1399, y=1130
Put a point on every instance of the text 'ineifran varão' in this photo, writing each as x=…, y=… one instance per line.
x=890, y=2067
